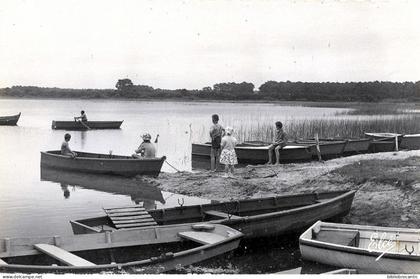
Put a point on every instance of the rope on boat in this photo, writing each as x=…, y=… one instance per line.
x=172, y=166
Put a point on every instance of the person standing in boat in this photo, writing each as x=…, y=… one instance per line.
x=65, y=148
x=216, y=134
x=82, y=117
x=146, y=148
x=280, y=141
x=228, y=154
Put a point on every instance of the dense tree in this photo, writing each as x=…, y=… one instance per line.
x=124, y=84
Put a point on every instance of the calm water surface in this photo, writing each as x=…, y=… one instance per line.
x=41, y=202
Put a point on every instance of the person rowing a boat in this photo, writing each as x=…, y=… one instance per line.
x=280, y=141
x=65, y=148
x=146, y=148
x=82, y=117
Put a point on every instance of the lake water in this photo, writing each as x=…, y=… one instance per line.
x=35, y=203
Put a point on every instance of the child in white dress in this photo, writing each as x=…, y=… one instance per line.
x=228, y=154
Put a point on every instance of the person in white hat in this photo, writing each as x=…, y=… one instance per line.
x=228, y=154
x=146, y=148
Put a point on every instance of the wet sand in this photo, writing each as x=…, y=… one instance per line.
x=387, y=184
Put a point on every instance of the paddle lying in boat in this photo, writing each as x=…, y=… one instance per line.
x=9, y=120
x=256, y=152
x=102, y=163
x=365, y=248
x=259, y=217
x=87, y=125
x=145, y=250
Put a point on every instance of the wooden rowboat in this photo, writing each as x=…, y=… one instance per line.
x=365, y=248
x=143, y=250
x=256, y=152
x=352, y=146
x=410, y=142
x=78, y=125
x=9, y=120
x=261, y=217
x=102, y=163
x=328, y=149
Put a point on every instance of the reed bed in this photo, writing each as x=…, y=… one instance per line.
x=263, y=129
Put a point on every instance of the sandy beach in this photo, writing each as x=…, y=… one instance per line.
x=387, y=184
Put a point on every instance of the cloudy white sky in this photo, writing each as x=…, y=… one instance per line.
x=192, y=44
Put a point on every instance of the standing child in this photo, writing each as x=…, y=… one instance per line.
x=216, y=133
x=228, y=155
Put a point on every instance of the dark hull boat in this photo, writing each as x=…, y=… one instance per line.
x=352, y=146
x=262, y=217
x=9, y=120
x=143, y=250
x=328, y=149
x=78, y=125
x=369, y=249
x=102, y=163
x=256, y=152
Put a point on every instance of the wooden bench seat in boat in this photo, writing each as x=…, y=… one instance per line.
x=341, y=237
x=221, y=214
x=130, y=217
x=201, y=237
x=62, y=255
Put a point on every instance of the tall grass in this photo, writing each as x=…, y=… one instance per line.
x=341, y=127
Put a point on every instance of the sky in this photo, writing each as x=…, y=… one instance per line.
x=193, y=44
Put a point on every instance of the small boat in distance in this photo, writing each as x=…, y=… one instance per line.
x=259, y=217
x=102, y=163
x=88, y=125
x=9, y=120
x=142, y=250
x=365, y=248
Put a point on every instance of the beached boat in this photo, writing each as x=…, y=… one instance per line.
x=383, y=135
x=102, y=163
x=261, y=217
x=410, y=142
x=328, y=149
x=143, y=250
x=257, y=152
x=138, y=189
x=9, y=120
x=78, y=125
x=365, y=248
x=352, y=146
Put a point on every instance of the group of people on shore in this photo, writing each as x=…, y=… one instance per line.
x=223, y=145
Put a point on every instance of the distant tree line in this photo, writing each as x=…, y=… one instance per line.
x=270, y=90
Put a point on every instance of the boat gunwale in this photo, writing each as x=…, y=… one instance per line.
x=305, y=240
x=157, y=159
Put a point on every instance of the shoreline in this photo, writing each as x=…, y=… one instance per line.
x=387, y=184
x=333, y=104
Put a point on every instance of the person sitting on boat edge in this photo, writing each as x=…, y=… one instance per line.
x=146, y=148
x=280, y=141
x=82, y=117
x=65, y=148
x=216, y=134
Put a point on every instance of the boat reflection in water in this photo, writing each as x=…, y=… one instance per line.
x=139, y=190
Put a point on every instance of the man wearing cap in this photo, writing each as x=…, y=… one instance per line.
x=146, y=148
